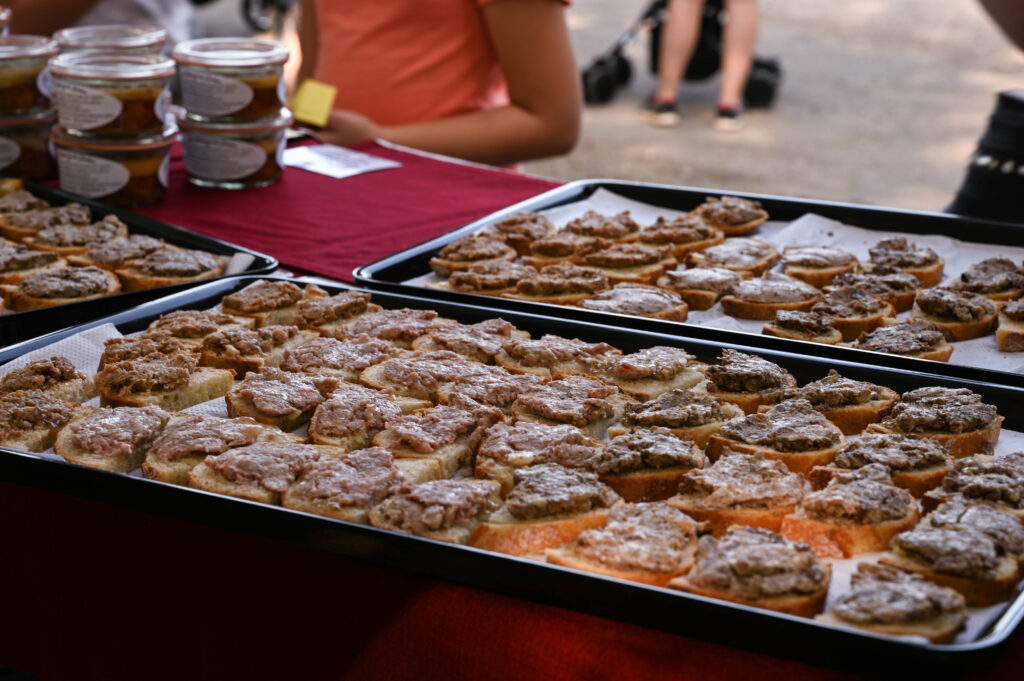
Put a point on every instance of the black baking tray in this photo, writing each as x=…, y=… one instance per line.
x=387, y=274
x=18, y=326
x=653, y=607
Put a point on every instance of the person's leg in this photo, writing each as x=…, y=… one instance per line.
x=738, y=39
x=678, y=40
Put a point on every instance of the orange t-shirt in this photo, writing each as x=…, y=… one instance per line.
x=405, y=61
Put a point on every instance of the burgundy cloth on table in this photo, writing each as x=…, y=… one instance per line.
x=322, y=225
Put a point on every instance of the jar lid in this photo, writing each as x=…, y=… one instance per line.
x=282, y=120
x=111, y=65
x=109, y=37
x=22, y=46
x=230, y=52
x=61, y=138
x=28, y=118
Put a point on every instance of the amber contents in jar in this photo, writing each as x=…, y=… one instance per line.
x=120, y=172
x=25, y=145
x=234, y=155
x=22, y=59
x=231, y=79
x=111, y=95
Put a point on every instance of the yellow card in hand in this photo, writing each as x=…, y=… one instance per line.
x=313, y=101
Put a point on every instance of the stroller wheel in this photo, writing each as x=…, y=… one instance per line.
x=623, y=69
x=762, y=84
x=599, y=82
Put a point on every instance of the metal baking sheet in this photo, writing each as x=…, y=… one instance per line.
x=653, y=607
x=405, y=272
x=18, y=326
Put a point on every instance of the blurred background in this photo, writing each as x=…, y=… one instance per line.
x=880, y=102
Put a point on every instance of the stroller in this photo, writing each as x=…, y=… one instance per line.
x=610, y=70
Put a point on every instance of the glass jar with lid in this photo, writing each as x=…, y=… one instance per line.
x=111, y=94
x=25, y=145
x=23, y=75
x=231, y=78
x=112, y=38
x=120, y=171
x=233, y=154
x=5, y=21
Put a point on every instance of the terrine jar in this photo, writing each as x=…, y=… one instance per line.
x=25, y=145
x=112, y=38
x=235, y=155
x=111, y=94
x=238, y=79
x=124, y=172
x=23, y=74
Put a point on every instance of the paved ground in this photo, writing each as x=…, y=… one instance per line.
x=882, y=104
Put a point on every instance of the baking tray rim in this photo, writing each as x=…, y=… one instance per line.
x=367, y=275
x=320, y=532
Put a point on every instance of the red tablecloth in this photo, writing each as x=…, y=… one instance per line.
x=93, y=591
x=318, y=224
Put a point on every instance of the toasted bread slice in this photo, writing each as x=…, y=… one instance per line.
x=191, y=326
x=653, y=261
x=998, y=587
x=168, y=267
x=326, y=314
x=440, y=433
x=773, y=426
x=270, y=302
x=701, y=287
x=587, y=403
x=111, y=439
x=646, y=464
x=172, y=383
x=346, y=487
x=279, y=398
x=650, y=372
x=748, y=257
x=1010, y=333
x=444, y=510
x=68, y=240
x=490, y=278
x=746, y=309
x=469, y=250
x=927, y=340
x=762, y=298
x=874, y=583
x=114, y=253
x=55, y=376
x=733, y=215
x=631, y=533
x=814, y=327
x=504, y=533
x=352, y=416
x=549, y=505
x=552, y=356
x=187, y=439
x=520, y=230
x=668, y=402
x=859, y=526
x=243, y=350
x=18, y=226
x=30, y=419
x=787, y=556
x=19, y=262
x=262, y=471
x=478, y=342
x=639, y=300
x=818, y=277
x=852, y=405
x=49, y=287
x=980, y=441
x=957, y=330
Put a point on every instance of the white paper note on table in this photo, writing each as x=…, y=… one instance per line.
x=335, y=161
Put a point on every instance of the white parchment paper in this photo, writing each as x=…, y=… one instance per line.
x=815, y=230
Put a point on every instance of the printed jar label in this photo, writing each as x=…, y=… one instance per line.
x=85, y=108
x=210, y=94
x=90, y=176
x=217, y=158
x=10, y=151
x=162, y=107
x=44, y=83
x=163, y=173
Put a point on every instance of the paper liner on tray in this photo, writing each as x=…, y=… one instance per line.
x=84, y=350
x=814, y=230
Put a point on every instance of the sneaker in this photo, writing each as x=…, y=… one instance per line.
x=662, y=113
x=729, y=118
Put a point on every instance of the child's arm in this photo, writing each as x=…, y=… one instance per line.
x=543, y=118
